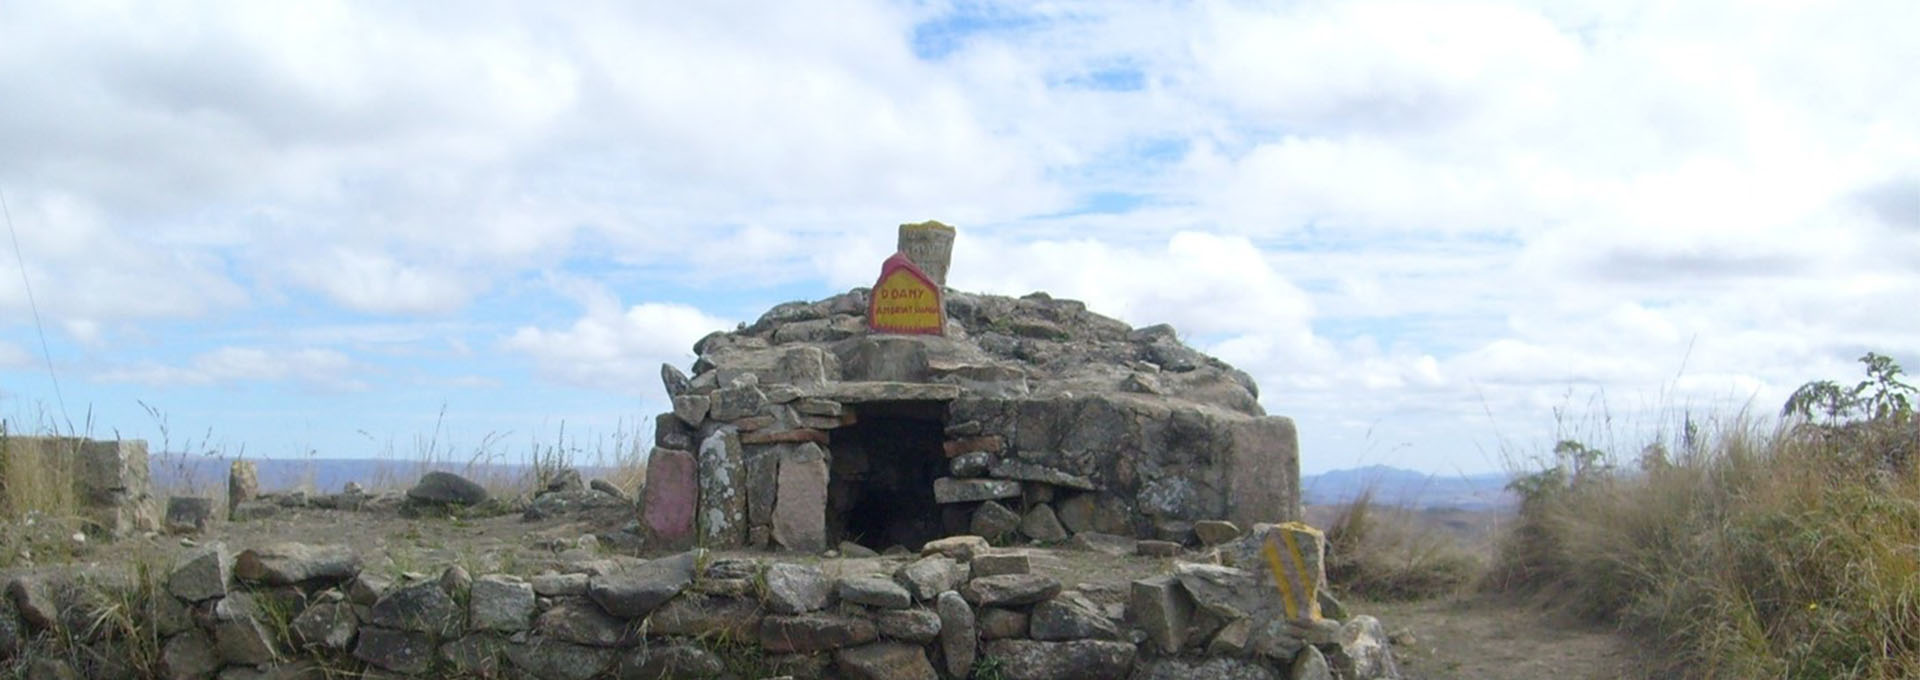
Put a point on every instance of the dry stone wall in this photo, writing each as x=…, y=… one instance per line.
x=957, y=609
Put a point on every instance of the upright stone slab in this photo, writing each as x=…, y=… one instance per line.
x=112, y=485
x=668, y=503
x=905, y=300
x=930, y=246
x=800, y=509
x=723, y=490
x=1264, y=455
x=243, y=484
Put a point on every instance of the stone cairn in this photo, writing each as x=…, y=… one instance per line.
x=1017, y=419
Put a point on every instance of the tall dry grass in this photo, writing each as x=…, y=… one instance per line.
x=1393, y=553
x=1758, y=552
x=37, y=475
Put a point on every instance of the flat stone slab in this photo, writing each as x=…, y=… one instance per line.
x=953, y=490
x=1029, y=472
x=861, y=392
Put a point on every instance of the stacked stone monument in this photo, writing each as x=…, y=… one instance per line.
x=905, y=412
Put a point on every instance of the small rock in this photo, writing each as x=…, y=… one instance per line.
x=1008, y=590
x=1211, y=669
x=1075, y=660
x=560, y=585
x=929, y=576
x=243, y=483
x=996, y=623
x=608, y=488
x=1042, y=525
x=1233, y=639
x=201, y=574
x=285, y=564
x=328, y=626
x=855, y=550
x=633, y=593
x=1070, y=616
x=995, y=564
x=919, y=626
x=455, y=580
x=1162, y=607
x=692, y=408
x=960, y=548
x=556, y=660
x=884, y=661
x=671, y=660
x=567, y=479
x=1117, y=546
x=958, y=635
x=422, y=607
x=187, y=655
x=1008, y=468
x=581, y=622
x=673, y=380
x=188, y=514
x=1364, y=653
x=497, y=602
x=955, y=490
x=993, y=520
x=442, y=487
x=1310, y=664
x=698, y=616
x=797, y=589
x=814, y=632
x=243, y=640
x=875, y=591
x=1158, y=548
x=971, y=465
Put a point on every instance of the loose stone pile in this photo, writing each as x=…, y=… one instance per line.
x=959, y=609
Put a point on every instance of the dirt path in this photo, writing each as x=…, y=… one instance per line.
x=1480, y=640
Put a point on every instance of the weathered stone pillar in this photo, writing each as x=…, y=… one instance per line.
x=113, y=488
x=243, y=484
x=930, y=245
x=723, y=490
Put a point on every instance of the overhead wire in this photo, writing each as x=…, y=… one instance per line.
x=45, y=352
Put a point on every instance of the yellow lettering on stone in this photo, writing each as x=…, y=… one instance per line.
x=904, y=310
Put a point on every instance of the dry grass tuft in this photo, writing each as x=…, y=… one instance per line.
x=36, y=476
x=1786, y=553
x=1391, y=553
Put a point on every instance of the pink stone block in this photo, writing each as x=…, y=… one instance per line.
x=671, y=496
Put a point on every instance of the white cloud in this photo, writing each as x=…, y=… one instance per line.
x=375, y=282
x=617, y=350
x=324, y=369
x=1396, y=213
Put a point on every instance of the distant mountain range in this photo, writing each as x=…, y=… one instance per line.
x=1406, y=488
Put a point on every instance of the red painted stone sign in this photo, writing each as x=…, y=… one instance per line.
x=906, y=300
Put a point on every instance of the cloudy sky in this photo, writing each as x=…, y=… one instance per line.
x=1430, y=230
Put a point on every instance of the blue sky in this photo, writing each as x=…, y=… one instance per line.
x=1436, y=233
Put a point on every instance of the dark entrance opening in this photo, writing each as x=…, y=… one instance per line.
x=881, y=494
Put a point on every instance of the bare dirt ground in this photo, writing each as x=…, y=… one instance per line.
x=1479, y=639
